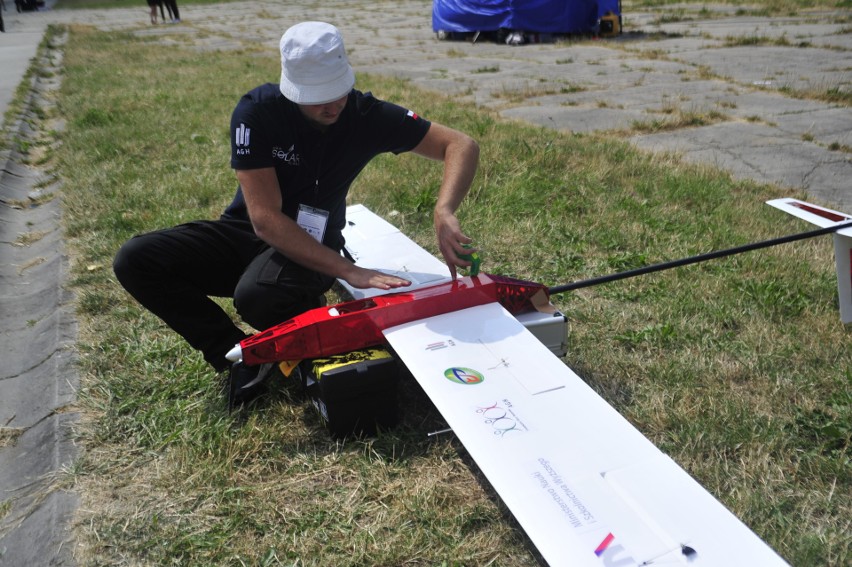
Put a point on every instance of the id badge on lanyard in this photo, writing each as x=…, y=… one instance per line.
x=313, y=221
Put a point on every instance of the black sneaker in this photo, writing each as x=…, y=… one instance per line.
x=247, y=383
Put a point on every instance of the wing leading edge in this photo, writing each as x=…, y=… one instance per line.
x=587, y=487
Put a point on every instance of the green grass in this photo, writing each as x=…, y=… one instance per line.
x=739, y=368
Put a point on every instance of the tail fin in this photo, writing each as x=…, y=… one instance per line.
x=823, y=217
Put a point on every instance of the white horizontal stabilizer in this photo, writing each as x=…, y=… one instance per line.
x=587, y=487
x=814, y=214
x=825, y=218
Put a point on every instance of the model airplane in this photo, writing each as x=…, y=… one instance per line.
x=359, y=324
x=586, y=486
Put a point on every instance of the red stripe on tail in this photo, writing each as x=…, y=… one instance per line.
x=822, y=212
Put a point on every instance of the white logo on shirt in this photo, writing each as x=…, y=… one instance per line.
x=242, y=137
x=290, y=157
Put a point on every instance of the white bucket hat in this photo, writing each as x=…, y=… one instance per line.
x=314, y=67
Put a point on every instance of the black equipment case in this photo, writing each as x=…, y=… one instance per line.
x=355, y=393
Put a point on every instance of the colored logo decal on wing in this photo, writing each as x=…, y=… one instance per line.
x=464, y=376
x=604, y=544
x=502, y=419
x=615, y=555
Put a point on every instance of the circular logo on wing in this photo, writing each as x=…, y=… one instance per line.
x=464, y=376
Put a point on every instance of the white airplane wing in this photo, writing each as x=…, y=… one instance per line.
x=376, y=244
x=824, y=217
x=587, y=487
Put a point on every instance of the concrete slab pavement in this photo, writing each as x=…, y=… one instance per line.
x=763, y=81
x=713, y=58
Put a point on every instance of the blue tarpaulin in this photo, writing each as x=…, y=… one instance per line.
x=542, y=16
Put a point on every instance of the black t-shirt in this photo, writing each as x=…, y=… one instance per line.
x=315, y=168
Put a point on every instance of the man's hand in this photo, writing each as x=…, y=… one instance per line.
x=451, y=240
x=361, y=278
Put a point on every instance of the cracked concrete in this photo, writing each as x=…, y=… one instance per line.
x=763, y=86
x=37, y=332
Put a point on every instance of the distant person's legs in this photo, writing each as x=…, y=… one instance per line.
x=173, y=10
x=152, y=4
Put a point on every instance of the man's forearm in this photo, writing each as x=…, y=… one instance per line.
x=290, y=240
x=461, y=160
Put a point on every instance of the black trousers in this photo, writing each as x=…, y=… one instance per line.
x=172, y=7
x=175, y=272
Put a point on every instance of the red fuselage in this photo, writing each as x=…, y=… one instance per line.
x=353, y=325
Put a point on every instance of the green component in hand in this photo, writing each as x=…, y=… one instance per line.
x=474, y=260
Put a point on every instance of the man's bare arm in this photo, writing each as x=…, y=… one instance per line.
x=460, y=154
x=263, y=200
